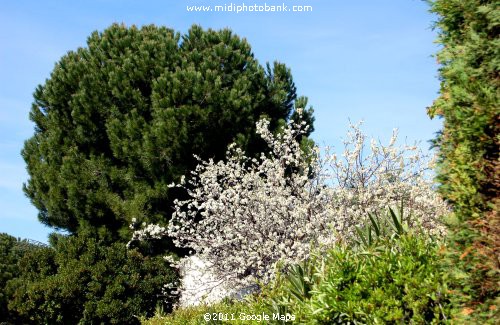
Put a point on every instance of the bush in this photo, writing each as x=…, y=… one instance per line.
x=235, y=201
x=397, y=283
x=399, y=280
x=11, y=251
x=82, y=281
x=8, y=269
x=195, y=315
x=394, y=278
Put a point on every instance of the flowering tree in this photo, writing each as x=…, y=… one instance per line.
x=369, y=181
x=244, y=215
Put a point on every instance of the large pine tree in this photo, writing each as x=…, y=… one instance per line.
x=120, y=119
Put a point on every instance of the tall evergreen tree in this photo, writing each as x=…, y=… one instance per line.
x=469, y=168
x=120, y=119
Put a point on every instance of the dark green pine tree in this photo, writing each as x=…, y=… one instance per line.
x=120, y=119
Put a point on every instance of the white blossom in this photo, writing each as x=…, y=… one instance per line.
x=252, y=213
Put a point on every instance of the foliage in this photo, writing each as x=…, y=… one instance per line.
x=468, y=103
x=11, y=251
x=391, y=275
x=396, y=281
x=8, y=269
x=236, y=312
x=397, y=278
x=468, y=166
x=84, y=282
x=392, y=224
x=121, y=118
x=247, y=214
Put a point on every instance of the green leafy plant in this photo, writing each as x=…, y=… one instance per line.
x=82, y=281
x=390, y=224
x=390, y=273
x=12, y=251
x=399, y=280
x=392, y=276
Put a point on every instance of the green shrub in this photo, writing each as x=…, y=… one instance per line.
x=468, y=144
x=396, y=281
x=8, y=268
x=227, y=312
x=389, y=274
x=11, y=251
x=82, y=281
x=392, y=275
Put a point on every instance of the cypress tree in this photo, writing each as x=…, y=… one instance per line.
x=468, y=167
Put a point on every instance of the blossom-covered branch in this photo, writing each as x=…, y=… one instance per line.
x=244, y=214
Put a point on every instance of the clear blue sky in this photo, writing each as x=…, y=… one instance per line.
x=358, y=59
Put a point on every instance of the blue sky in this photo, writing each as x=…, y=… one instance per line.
x=358, y=59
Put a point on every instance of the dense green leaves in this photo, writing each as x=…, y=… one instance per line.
x=391, y=275
x=468, y=103
x=11, y=251
x=398, y=282
x=468, y=169
x=82, y=281
x=8, y=268
x=121, y=118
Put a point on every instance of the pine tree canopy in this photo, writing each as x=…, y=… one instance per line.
x=120, y=119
